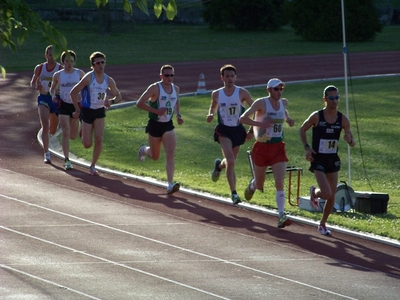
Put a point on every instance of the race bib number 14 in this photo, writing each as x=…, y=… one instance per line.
x=328, y=146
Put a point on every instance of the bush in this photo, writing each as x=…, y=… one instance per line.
x=244, y=14
x=321, y=21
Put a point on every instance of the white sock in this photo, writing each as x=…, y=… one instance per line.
x=280, y=201
x=252, y=188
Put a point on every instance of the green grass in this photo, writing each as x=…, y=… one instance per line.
x=376, y=148
x=133, y=44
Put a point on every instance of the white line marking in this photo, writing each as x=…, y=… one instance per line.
x=162, y=243
x=48, y=281
x=110, y=262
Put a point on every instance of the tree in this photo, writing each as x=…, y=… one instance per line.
x=17, y=20
x=244, y=14
x=321, y=21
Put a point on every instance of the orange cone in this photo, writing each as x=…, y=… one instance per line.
x=201, y=86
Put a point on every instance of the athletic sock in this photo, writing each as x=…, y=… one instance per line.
x=280, y=200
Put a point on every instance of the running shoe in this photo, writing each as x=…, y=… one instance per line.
x=141, y=153
x=47, y=158
x=323, y=230
x=68, y=165
x=235, y=199
x=313, y=199
x=93, y=171
x=248, y=194
x=173, y=187
x=284, y=221
x=215, y=173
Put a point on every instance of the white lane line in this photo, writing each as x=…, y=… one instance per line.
x=48, y=281
x=109, y=262
x=165, y=244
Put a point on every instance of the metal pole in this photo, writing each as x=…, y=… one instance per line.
x=345, y=87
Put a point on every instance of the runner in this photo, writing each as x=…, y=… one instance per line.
x=47, y=110
x=63, y=81
x=161, y=100
x=94, y=86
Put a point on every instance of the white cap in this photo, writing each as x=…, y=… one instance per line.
x=274, y=82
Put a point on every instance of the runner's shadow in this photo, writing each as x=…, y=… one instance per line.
x=198, y=209
x=201, y=208
x=345, y=252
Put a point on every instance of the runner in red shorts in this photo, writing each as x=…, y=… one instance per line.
x=270, y=113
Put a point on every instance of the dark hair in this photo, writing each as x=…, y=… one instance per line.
x=227, y=68
x=70, y=52
x=166, y=67
x=330, y=88
x=96, y=55
x=49, y=47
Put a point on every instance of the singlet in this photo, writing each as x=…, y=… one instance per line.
x=67, y=82
x=274, y=133
x=94, y=95
x=230, y=108
x=326, y=136
x=46, y=77
x=164, y=100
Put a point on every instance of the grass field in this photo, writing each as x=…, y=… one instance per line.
x=374, y=161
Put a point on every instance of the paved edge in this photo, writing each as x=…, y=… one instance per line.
x=56, y=150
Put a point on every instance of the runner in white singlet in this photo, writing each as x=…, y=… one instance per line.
x=228, y=103
x=93, y=88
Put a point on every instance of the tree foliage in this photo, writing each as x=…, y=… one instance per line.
x=321, y=21
x=244, y=14
x=17, y=20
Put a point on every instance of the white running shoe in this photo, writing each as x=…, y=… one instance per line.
x=141, y=153
x=47, y=158
x=93, y=171
x=248, y=193
x=215, y=173
x=323, y=230
x=173, y=187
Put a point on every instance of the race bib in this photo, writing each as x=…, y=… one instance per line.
x=275, y=130
x=168, y=114
x=46, y=83
x=328, y=146
x=229, y=114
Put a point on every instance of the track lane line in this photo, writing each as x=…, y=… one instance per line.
x=159, y=242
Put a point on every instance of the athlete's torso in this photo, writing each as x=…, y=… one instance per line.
x=274, y=133
x=167, y=100
x=326, y=135
x=66, y=82
x=94, y=94
x=46, y=76
x=230, y=107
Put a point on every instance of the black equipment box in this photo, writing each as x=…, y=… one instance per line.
x=371, y=203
